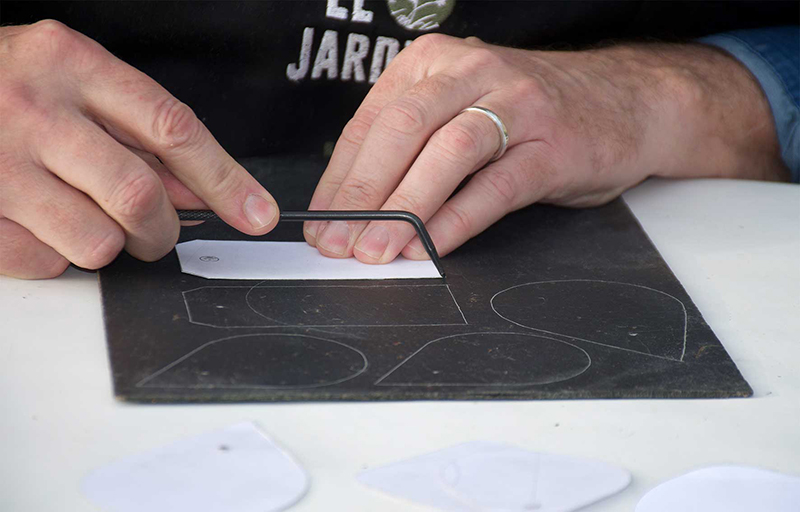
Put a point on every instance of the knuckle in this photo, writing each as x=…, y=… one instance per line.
x=356, y=192
x=23, y=113
x=460, y=220
x=528, y=88
x=175, y=125
x=355, y=131
x=429, y=43
x=51, y=37
x=460, y=142
x=159, y=250
x=404, y=117
x=23, y=256
x=225, y=181
x=482, y=59
x=437, y=86
x=50, y=44
x=501, y=185
x=368, y=112
x=407, y=202
x=19, y=184
x=51, y=30
x=135, y=197
x=102, y=251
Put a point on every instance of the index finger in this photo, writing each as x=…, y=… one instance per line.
x=133, y=106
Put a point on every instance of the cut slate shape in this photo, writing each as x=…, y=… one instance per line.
x=227, y=259
x=155, y=315
x=622, y=315
x=267, y=305
x=489, y=359
x=263, y=361
x=237, y=469
x=498, y=477
x=725, y=489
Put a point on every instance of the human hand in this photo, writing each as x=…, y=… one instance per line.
x=95, y=157
x=584, y=126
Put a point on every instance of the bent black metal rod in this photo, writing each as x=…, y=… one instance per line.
x=325, y=215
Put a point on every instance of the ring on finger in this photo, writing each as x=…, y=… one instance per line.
x=501, y=128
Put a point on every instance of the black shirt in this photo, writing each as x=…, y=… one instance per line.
x=285, y=76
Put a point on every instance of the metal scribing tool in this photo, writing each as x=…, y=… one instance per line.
x=364, y=215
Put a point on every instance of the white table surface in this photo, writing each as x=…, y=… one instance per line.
x=735, y=246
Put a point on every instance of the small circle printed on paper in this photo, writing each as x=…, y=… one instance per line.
x=209, y=259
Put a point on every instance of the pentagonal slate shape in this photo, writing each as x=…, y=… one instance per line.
x=262, y=361
x=620, y=315
x=489, y=359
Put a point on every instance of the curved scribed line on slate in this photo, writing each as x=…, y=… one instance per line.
x=380, y=382
x=683, y=307
x=246, y=299
x=280, y=325
x=249, y=305
x=143, y=382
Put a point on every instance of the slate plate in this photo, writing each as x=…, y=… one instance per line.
x=549, y=303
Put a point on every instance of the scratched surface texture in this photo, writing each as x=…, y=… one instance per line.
x=549, y=303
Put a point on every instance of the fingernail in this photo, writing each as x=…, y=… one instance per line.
x=259, y=211
x=311, y=229
x=374, y=242
x=417, y=250
x=335, y=237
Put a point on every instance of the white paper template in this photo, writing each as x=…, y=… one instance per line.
x=497, y=477
x=725, y=489
x=226, y=259
x=237, y=469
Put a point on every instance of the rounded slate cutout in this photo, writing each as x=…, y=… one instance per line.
x=489, y=359
x=627, y=316
x=262, y=361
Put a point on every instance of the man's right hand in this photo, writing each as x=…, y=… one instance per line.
x=95, y=157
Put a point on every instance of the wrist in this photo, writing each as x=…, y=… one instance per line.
x=710, y=117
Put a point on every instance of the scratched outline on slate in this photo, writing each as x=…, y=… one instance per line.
x=250, y=289
x=683, y=307
x=143, y=382
x=380, y=382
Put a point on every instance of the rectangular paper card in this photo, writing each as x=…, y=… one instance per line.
x=230, y=259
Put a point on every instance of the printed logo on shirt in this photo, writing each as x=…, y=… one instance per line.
x=420, y=15
x=357, y=57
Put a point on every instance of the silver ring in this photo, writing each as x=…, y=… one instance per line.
x=500, y=127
